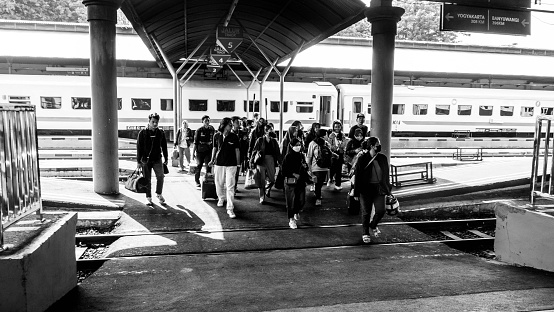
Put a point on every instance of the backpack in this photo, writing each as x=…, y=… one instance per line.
x=323, y=159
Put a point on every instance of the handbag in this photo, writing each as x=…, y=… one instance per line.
x=136, y=182
x=252, y=180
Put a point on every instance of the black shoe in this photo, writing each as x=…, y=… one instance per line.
x=198, y=185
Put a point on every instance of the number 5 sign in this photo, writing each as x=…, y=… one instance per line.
x=229, y=38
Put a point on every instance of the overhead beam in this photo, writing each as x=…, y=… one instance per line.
x=230, y=14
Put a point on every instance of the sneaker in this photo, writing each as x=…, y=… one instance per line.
x=312, y=188
x=198, y=186
x=220, y=203
x=231, y=213
x=376, y=232
x=366, y=239
x=161, y=198
x=149, y=201
x=261, y=200
x=338, y=188
x=318, y=202
x=329, y=183
x=297, y=216
x=292, y=224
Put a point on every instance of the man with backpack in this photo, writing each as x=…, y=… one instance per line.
x=319, y=161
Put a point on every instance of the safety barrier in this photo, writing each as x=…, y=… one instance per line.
x=19, y=167
x=544, y=181
x=418, y=173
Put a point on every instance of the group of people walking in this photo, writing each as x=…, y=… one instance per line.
x=300, y=159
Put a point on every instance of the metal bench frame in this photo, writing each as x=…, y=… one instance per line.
x=462, y=155
x=425, y=174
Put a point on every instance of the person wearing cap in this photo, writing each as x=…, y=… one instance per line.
x=203, y=145
x=151, y=144
x=360, y=118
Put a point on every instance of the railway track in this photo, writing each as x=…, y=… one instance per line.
x=441, y=232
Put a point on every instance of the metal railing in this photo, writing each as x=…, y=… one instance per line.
x=541, y=185
x=19, y=167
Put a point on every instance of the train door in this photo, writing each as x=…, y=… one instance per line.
x=325, y=114
x=357, y=106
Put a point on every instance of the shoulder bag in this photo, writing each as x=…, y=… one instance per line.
x=136, y=182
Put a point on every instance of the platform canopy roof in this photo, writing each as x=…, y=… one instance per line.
x=279, y=27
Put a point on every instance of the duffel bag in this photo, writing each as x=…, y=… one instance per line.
x=136, y=182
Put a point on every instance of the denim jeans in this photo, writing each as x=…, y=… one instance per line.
x=158, y=171
x=295, y=196
x=373, y=207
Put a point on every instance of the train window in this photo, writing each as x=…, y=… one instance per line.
x=357, y=105
x=369, y=108
x=119, y=104
x=485, y=110
x=464, y=110
x=398, y=109
x=141, y=104
x=49, y=102
x=225, y=106
x=13, y=99
x=274, y=106
x=80, y=103
x=166, y=104
x=506, y=110
x=198, y=105
x=442, y=110
x=420, y=109
x=252, y=106
x=547, y=110
x=527, y=111
x=304, y=107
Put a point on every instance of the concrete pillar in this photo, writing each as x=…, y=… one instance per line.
x=383, y=18
x=102, y=17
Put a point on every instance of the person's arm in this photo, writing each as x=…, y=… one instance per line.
x=252, y=143
x=177, y=138
x=196, y=141
x=351, y=132
x=357, y=179
x=237, y=154
x=164, y=148
x=215, y=142
x=139, y=148
x=309, y=156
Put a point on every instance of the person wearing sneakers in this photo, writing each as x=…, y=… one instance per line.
x=202, y=150
x=319, y=161
x=268, y=149
x=226, y=161
x=360, y=119
x=337, y=142
x=294, y=171
x=371, y=184
x=151, y=144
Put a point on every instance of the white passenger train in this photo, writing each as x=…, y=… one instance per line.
x=63, y=105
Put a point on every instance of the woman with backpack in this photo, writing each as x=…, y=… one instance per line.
x=337, y=142
x=264, y=157
x=319, y=161
x=371, y=184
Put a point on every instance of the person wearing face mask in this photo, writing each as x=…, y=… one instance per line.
x=292, y=133
x=256, y=133
x=371, y=184
x=337, y=142
x=353, y=147
x=270, y=156
x=294, y=171
x=360, y=119
x=203, y=145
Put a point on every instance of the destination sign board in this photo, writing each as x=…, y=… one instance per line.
x=495, y=3
x=219, y=55
x=229, y=38
x=494, y=21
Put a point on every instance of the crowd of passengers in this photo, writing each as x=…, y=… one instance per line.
x=302, y=160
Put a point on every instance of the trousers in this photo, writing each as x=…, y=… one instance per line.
x=201, y=159
x=224, y=177
x=158, y=171
x=295, y=197
x=373, y=207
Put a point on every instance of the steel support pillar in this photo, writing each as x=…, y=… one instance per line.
x=102, y=17
x=383, y=18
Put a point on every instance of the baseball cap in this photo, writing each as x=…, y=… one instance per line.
x=205, y=116
x=360, y=115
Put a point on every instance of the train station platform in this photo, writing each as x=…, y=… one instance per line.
x=188, y=255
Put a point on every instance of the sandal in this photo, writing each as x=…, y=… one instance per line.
x=366, y=239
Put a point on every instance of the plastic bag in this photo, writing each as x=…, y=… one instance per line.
x=252, y=180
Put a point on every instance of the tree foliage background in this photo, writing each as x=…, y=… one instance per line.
x=420, y=22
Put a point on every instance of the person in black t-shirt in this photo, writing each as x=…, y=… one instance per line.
x=270, y=156
x=203, y=147
x=360, y=120
x=226, y=161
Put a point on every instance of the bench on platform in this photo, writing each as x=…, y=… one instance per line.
x=417, y=173
x=468, y=153
x=461, y=134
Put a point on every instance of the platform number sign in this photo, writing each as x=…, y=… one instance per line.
x=213, y=67
x=219, y=56
x=229, y=38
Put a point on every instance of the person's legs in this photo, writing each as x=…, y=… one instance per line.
x=270, y=169
x=262, y=175
x=219, y=179
x=207, y=160
x=289, y=199
x=147, y=173
x=159, y=171
x=237, y=173
x=379, y=206
x=199, y=163
x=230, y=172
x=299, y=198
x=337, y=171
x=187, y=155
x=366, y=206
x=320, y=178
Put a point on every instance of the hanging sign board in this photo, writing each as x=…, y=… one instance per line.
x=213, y=67
x=219, y=55
x=229, y=38
x=493, y=21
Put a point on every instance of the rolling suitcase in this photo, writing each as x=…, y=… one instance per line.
x=208, y=187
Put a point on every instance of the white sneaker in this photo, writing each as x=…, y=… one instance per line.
x=261, y=200
x=338, y=188
x=292, y=224
x=318, y=202
x=149, y=201
x=160, y=198
x=366, y=239
x=231, y=213
x=376, y=232
x=329, y=183
x=297, y=216
x=220, y=203
x=312, y=188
